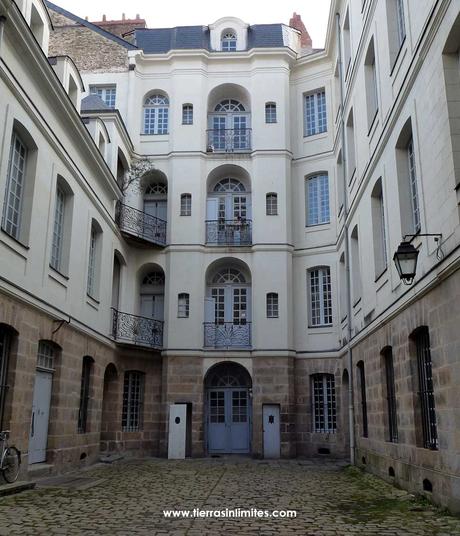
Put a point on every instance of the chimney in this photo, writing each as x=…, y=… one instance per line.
x=104, y=18
x=123, y=16
x=297, y=23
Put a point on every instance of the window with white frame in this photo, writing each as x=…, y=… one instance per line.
x=272, y=305
x=229, y=41
x=401, y=21
x=94, y=260
x=270, y=112
x=133, y=399
x=320, y=296
x=272, y=204
x=107, y=93
x=46, y=356
x=15, y=184
x=378, y=227
x=370, y=75
x=156, y=114
x=318, y=199
x=355, y=265
x=187, y=114
x=396, y=27
x=58, y=229
x=413, y=186
x=183, y=305
x=324, y=404
x=186, y=205
x=315, y=121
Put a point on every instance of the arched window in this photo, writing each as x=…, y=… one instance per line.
x=183, y=305
x=187, y=114
x=94, y=259
x=84, y=394
x=229, y=185
x=318, y=199
x=272, y=204
x=387, y=355
x=228, y=276
x=270, y=112
x=272, y=305
x=356, y=265
x=156, y=188
x=156, y=114
x=229, y=105
x=229, y=41
x=186, y=205
x=378, y=227
x=320, y=296
x=154, y=278
x=362, y=388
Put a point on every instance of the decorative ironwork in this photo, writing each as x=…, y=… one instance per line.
x=227, y=335
x=137, y=329
x=229, y=140
x=229, y=232
x=141, y=225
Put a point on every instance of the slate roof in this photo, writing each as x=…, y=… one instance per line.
x=90, y=26
x=94, y=103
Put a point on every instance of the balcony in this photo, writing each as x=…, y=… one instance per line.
x=139, y=226
x=137, y=330
x=229, y=232
x=229, y=140
x=227, y=335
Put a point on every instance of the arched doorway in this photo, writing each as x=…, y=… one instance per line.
x=228, y=409
x=110, y=410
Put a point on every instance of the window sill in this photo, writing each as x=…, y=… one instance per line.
x=357, y=302
x=155, y=136
x=92, y=302
x=272, y=214
x=380, y=274
x=316, y=136
x=58, y=278
x=321, y=326
x=318, y=226
x=373, y=123
x=14, y=244
x=59, y=273
x=398, y=55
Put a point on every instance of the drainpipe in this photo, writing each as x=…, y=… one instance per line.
x=351, y=408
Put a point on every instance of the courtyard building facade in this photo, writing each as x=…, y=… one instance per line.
x=206, y=217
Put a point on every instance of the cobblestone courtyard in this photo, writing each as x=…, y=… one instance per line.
x=129, y=498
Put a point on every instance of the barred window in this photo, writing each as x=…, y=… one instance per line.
x=156, y=114
x=183, y=305
x=187, y=114
x=362, y=386
x=324, y=404
x=320, y=296
x=58, y=230
x=45, y=356
x=186, y=205
x=318, y=200
x=272, y=204
x=270, y=112
x=315, y=113
x=107, y=93
x=391, y=395
x=133, y=401
x=421, y=338
x=84, y=394
x=272, y=305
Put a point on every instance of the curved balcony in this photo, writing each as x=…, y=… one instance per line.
x=139, y=226
x=229, y=232
x=229, y=140
x=227, y=335
x=138, y=330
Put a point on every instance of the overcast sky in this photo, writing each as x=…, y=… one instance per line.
x=165, y=14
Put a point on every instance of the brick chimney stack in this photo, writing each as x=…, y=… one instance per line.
x=297, y=23
x=121, y=27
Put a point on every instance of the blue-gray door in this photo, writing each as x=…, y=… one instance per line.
x=228, y=421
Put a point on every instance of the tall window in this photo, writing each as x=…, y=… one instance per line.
x=84, y=394
x=186, y=205
x=271, y=204
x=5, y=339
x=378, y=228
x=58, y=229
x=362, y=388
x=413, y=186
x=133, y=399
x=421, y=338
x=229, y=41
x=370, y=75
x=187, y=114
x=356, y=265
x=318, y=199
x=391, y=395
x=107, y=93
x=183, y=305
x=351, y=152
x=270, y=112
x=272, y=305
x=401, y=21
x=324, y=404
x=94, y=259
x=320, y=297
x=12, y=211
x=315, y=113
x=346, y=43
x=156, y=114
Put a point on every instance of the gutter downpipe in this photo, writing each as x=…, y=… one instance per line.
x=351, y=408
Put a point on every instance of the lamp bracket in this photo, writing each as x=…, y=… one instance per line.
x=437, y=239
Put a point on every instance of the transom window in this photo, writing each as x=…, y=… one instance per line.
x=272, y=305
x=156, y=114
x=156, y=188
x=228, y=276
x=133, y=395
x=272, y=204
x=320, y=297
x=229, y=185
x=270, y=112
x=229, y=41
x=107, y=93
x=154, y=278
x=318, y=200
x=324, y=404
x=45, y=356
x=229, y=105
x=315, y=113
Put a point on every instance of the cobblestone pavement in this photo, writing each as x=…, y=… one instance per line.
x=128, y=498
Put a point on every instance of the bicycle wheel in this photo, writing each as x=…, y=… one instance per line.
x=11, y=460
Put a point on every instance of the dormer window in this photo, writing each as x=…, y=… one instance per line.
x=229, y=41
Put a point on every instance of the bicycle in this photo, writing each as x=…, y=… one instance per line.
x=10, y=459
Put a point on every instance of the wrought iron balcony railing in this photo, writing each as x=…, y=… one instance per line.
x=227, y=335
x=137, y=329
x=229, y=140
x=140, y=225
x=229, y=232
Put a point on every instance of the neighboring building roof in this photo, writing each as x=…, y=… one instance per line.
x=94, y=103
x=90, y=26
x=162, y=40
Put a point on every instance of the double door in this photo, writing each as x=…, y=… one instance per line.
x=230, y=132
x=154, y=227
x=228, y=218
x=228, y=423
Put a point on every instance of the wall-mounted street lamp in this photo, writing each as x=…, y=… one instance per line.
x=406, y=257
